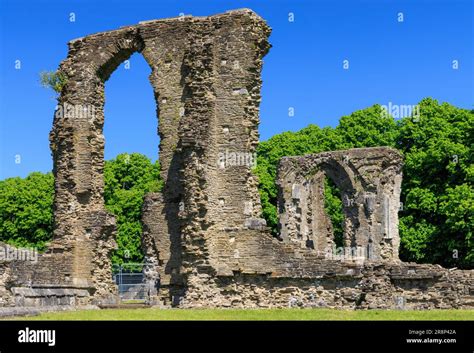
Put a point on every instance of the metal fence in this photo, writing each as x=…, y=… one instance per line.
x=130, y=281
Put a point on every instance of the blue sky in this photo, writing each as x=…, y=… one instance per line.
x=389, y=61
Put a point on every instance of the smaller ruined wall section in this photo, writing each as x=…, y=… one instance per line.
x=369, y=180
x=302, y=217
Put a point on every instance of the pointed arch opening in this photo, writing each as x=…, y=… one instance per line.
x=131, y=168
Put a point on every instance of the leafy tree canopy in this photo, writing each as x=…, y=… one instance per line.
x=26, y=216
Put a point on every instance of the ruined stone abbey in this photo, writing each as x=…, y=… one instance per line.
x=204, y=240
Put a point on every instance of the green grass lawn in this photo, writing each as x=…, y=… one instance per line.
x=254, y=314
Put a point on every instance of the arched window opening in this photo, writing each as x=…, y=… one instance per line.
x=131, y=149
x=334, y=207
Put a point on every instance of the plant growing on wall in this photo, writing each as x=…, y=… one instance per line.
x=53, y=79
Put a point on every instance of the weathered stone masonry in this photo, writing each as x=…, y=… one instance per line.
x=204, y=238
x=369, y=179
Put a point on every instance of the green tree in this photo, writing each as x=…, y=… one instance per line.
x=437, y=221
x=127, y=179
x=370, y=127
x=26, y=217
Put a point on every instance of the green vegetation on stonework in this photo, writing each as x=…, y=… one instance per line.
x=255, y=314
x=436, y=222
x=437, y=218
x=53, y=79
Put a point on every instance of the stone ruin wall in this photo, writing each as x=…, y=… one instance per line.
x=251, y=268
x=203, y=237
x=369, y=180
